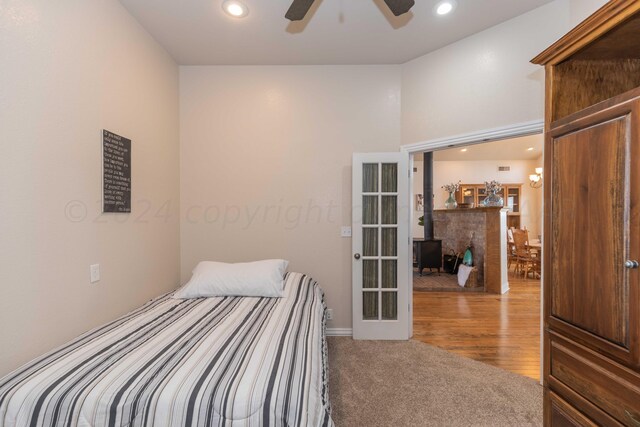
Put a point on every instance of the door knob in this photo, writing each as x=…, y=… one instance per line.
x=357, y=256
x=631, y=264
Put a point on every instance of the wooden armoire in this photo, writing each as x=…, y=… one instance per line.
x=592, y=221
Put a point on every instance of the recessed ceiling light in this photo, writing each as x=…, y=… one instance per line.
x=445, y=7
x=235, y=8
x=530, y=149
x=464, y=150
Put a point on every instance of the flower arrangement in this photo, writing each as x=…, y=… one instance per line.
x=452, y=188
x=492, y=186
x=493, y=198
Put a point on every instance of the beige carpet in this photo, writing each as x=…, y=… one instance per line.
x=409, y=383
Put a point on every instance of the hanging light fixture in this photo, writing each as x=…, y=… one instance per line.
x=536, y=179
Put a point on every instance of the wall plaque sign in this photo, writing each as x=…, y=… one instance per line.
x=116, y=173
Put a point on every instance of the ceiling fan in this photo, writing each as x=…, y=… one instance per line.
x=299, y=8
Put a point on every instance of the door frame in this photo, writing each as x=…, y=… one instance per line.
x=472, y=138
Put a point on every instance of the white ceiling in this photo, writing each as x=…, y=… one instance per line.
x=507, y=149
x=198, y=32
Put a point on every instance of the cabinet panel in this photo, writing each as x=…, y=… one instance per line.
x=589, y=208
x=586, y=83
x=594, y=231
x=562, y=414
x=512, y=199
x=513, y=221
x=468, y=194
x=609, y=386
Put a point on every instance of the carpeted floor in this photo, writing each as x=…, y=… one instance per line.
x=409, y=383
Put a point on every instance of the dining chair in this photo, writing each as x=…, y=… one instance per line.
x=511, y=248
x=526, y=261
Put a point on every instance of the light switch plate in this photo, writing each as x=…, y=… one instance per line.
x=345, y=231
x=95, y=272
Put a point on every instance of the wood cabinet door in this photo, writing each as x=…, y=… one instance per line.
x=467, y=194
x=512, y=198
x=592, y=229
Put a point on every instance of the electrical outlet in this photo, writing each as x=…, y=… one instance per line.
x=345, y=231
x=95, y=272
x=329, y=314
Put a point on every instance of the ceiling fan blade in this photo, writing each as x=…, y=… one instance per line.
x=299, y=9
x=398, y=7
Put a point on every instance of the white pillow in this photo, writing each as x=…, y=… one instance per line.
x=248, y=279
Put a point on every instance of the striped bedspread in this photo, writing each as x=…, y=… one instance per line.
x=202, y=362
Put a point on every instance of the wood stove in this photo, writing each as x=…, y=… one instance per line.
x=428, y=255
x=429, y=251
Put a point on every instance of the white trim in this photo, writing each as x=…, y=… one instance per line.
x=339, y=332
x=409, y=161
x=495, y=134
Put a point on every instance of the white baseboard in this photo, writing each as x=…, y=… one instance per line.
x=339, y=332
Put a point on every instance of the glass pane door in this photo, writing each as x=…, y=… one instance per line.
x=513, y=199
x=381, y=268
x=468, y=194
x=482, y=194
x=379, y=241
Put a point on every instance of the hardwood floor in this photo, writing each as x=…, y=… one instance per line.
x=442, y=282
x=501, y=330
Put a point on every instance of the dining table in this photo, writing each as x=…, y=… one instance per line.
x=535, y=245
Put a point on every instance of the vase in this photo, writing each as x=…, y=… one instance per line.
x=468, y=257
x=451, y=203
x=493, y=200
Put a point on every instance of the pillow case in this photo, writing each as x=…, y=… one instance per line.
x=247, y=279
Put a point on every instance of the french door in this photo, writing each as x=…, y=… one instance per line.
x=380, y=242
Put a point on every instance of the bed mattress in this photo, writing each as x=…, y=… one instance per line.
x=232, y=361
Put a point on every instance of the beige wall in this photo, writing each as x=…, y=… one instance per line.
x=261, y=143
x=483, y=81
x=68, y=69
x=581, y=9
x=266, y=164
x=269, y=147
x=477, y=172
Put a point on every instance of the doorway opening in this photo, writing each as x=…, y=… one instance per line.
x=490, y=309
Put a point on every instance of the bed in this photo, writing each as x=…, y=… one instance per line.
x=223, y=361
